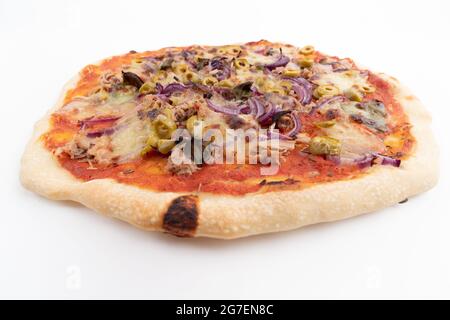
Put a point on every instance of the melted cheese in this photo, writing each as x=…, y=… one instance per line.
x=342, y=80
x=130, y=138
x=355, y=141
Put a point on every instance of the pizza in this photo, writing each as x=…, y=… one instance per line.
x=231, y=141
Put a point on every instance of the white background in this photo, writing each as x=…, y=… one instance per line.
x=62, y=250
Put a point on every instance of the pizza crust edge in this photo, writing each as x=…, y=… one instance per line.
x=228, y=217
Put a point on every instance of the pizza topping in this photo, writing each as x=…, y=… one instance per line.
x=256, y=107
x=243, y=91
x=93, y=121
x=326, y=90
x=354, y=95
x=325, y=107
x=354, y=141
x=386, y=160
x=129, y=138
x=220, y=68
x=307, y=50
x=170, y=88
x=303, y=89
x=166, y=64
x=281, y=62
x=368, y=160
x=327, y=102
x=371, y=113
x=132, y=79
x=325, y=146
x=289, y=121
x=164, y=126
x=226, y=109
x=99, y=133
x=342, y=81
x=178, y=163
x=88, y=150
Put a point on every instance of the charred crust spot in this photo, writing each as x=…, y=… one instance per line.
x=287, y=182
x=181, y=218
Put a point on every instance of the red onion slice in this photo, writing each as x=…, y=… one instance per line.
x=159, y=87
x=281, y=62
x=303, y=89
x=231, y=110
x=368, y=160
x=92, y=121
x=326, y=101
x=201, y=87
x=266, y=118
x=303, y=82
x=297, y=125
x=333, y=158
x=389, y=161
x=170, y=88
x=256, y=107
x=99, y=133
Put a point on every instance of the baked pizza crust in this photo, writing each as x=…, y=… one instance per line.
x=228, y=217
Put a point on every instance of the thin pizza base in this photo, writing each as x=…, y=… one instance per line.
x=228, y=217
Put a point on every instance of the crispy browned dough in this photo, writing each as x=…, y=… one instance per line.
x=228, y=217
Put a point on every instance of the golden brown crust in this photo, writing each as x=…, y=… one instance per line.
x=227, y=217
